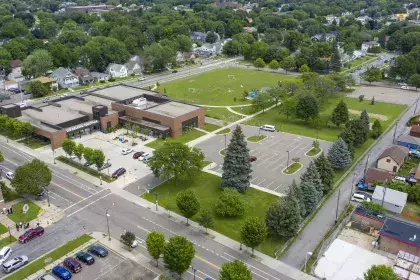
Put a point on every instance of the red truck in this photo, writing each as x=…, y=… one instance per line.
x=31, y=234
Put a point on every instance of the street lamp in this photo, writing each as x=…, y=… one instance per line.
x=107, y=221
x=288, y=156
x=194, y=270
x=306, y=258
x=54, y=155
x=352, y=186
x=336, y=210
x=156, y=200
x=225, y=143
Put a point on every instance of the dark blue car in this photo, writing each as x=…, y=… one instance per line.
x=118, y=172
x=61, y=272
x=98, y=251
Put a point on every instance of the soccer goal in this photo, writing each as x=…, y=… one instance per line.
x=231, y=77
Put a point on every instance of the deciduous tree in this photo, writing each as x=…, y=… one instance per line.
x=32, y=177
x=307, y=108
x=155, y=243
x=206, y=219
x=78, y=151
x=38, y=89
x=98, y=158
x=37, y=63
x=339, y=155
x=230, y=204
x=187, y=203
x=176, y=160
x=380, y=272
x=236, y=167
x=178, y=254
x=259, y=63
x=288, y=64
x=376, y=129
x=235, y=270
x=373, y=74
x=358, y=129
x=68, y=146
x=414, y=81
x=340, y=115
x=128, y=238
x=88, y=155
x=253, y=232
x=274, y=65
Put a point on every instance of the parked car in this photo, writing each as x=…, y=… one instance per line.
x=5, y=254
x=85, y=258
x=25, y=92
x=404, y=87
x=268, y=127
x=124, y=141
x=175, y=71
x=106, y=165
x=31, y=234
x=414, y=153
x=22, y=105
x=141, y=158
x=146, y=159
x=142, y=79
x=61, y=272
x=399, y=179
x=117, y=173
x=360, y=197
x=14, y=264
x=46, y=277
x=98, y=251
x=10, y=175
x=402, y=84
x=127, y=151
x=136, y=155
x=87, y=163
x=72, y=264
x=252, y=159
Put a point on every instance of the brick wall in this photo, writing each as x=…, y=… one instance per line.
x=394, y=246
x=55, y=137
x=113, y=118
x=367, y=221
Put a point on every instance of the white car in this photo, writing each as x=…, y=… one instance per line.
x=73, y=156
x=404, y=87
x=402, y=84
x=4, y=254
x=14, y=264
x=127, y=151
x=399, y=179
x=22, y=105
x=143, y=156
x=10, y=175
x=268, y=127
x=147, y=158
x=360, y=197
x=142, y=79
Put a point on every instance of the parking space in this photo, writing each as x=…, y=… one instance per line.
x=271, y=154
x=113, y=151
x=390, y=95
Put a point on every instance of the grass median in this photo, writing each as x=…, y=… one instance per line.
x=256, y=138
x=85, y=169
x=54, y=255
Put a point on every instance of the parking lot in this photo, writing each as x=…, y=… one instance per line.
x=389, y=95
x=271, y=156
x=113, y=151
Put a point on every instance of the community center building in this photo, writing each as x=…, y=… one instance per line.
x=106, y=107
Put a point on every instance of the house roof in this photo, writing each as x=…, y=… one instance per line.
x=397, y=153
x=97, y=74
x=371, y=43
x=16, y=63
x=46, y=80
x=389, y=195
x=200, y=34
x=130, y=65
x=115, y=67
x=80, y=71
x=409, y=139
x=62, y=72
x=360, y=210
x=415, y=128
x=11, y=82
x=401, y=231
x=373, y=174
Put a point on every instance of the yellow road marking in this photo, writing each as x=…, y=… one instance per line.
x=207, y=262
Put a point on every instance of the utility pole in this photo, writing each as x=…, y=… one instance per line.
x=395, y=131
x=288, y=155
x=366, y=165
x=225, y=143
x=383, y=196
x=352, y=186
x=415, y=109
x=156, y=200
x=336, y=210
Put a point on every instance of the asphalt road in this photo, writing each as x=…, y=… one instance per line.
x=316, y=229
x=87, y=214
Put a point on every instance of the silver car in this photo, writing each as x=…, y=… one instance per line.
x=15, y=263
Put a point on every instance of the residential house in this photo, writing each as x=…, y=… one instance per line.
x=367, y=45
x=10, y=84
x=84, y=75
x=117, y=70
x=206, y=50
x=397, y=235
x=50, y=82
x=198, y=36
x=133, y=67
x=390, y=199
x=98, y=77
x=347, y=58
x=249, y=29
x=413, y=143
x=328, y=37
x=377, y=175
x=363, y=19
x=233, y=4
x=65, y=78
x=392, y=158
x=330, y=19
x=415, y=130
x=16, y=73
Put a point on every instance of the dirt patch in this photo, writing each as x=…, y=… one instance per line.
x=375, y=116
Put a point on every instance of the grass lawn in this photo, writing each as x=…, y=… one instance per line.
x=296, y=126
x=313, y=152
x=3, y=229
x=409, y=164
x=207, y=188
x=41, y=262
x=222, y=114
x=210, y=127
x=222, y=86
x=294, y=167
x=361, y=60
x=256, y=138
x=224, y=131
x=34, y=143
x=9, y=135
x=412, y=211
x=7, y=241
x=185, y=138
x=18, y=215
x=246, y=110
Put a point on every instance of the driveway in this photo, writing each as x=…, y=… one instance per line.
x=271, y=156
x=389, y=95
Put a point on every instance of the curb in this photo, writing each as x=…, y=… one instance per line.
x=301, y=166
x=321, y=150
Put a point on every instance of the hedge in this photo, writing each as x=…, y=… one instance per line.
x=86, y=169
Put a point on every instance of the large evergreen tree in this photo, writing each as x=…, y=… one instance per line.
x=323, y=166
x=296, y=192
x=312, y=177
x=348, y=137
x=336, y=58
x=310, y=196
x=358, y=129
x=364, y=117
x=340, y=115
x=283, y=218
x=236, y=168
x=339, y=155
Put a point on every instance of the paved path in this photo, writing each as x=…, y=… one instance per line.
x=309, y=238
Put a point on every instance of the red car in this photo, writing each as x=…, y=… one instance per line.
x=137, y=155
x=252, y=159
x=31, y=234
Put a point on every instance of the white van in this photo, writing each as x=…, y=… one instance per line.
x=4, y=254
x=360, y=197
x=267, y=127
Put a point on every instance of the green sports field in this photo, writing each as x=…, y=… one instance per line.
x=221, y=86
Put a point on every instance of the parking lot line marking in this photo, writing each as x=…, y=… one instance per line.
x=254, y=179
x=261, y=182
x=83, y=199
x=88, y=205
x=270, y=184
x=278, y=187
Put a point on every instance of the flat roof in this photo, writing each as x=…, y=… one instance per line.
x=76, y=105
x=402, y=231
x=36, y=123
x=389, y=195
x=172, y=109
x=52, y=115
x=121, y=92
x=95, y=100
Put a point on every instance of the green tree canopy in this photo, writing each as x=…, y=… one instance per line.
x=235, y=270
x=178, y=254
x=339, y=155
x=340, y=115
x=414, y=81
x=206, y=219
x=176, y=160
x=32, y=177
x=288, y=63
x=155, y=242
x=68, y=146
x=283, y=218
x=376, y=129
x=259, y=63
x=274, y=65
x=230, y=203
x=253, y=232
x=307, y=108
x=38, y=89
x=373, y=74
x=37, y=63
x=187, y=203
x=323, y=166
x=380, y=272
x=98, y=158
